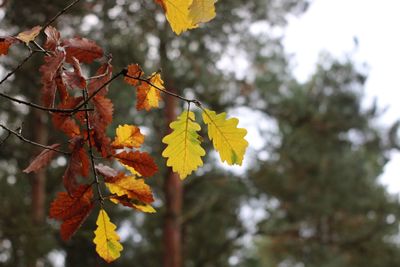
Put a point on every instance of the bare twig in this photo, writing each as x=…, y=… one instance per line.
x=17, y=67
x=33, y=105
x=65, y=9
x=22, y=138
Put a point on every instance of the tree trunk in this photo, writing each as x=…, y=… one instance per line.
x=38, y=181
x=172, y=233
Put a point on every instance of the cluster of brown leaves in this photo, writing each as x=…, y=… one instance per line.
x=66, y=87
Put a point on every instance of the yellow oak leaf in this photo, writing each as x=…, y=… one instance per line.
x=183, y=145
x=227, y=139
x=132, y=203
x=132, y=170
x=177, y=13
x=147, y=95
x=106, y=239
x=133, y=188
x=30, y=35
x=128, y=136
x=130, y=192
x=202, y=11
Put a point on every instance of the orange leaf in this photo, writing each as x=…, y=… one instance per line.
x=42, y=159
x=128, y=136
x=141, y=162
x=72, y=209
x=130, y=186
x=5, y=43
x=134, y=70
x=78, y=164
x=83, y=49
x=148, y=96
x=29, y=35
x=99, y=120
x=65, y=122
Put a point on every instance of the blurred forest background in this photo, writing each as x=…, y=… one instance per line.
x=308, y=194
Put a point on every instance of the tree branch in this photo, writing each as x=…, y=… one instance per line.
x=88, y=128
x=65, y=9
x=195, y=101
x=22, y=138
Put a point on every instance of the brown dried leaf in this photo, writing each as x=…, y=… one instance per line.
x=42, y=159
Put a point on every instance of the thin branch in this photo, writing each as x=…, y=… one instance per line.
x=22, y=138
x=84, y=103
x=195, y=101
x=88, y=128
x=17, y=67
x=65, y=9
x=33, y=105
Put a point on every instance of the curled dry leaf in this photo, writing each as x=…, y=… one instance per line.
x=42, y=159
x=29, y=35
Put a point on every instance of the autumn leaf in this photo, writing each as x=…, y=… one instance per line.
x=53, y=38
x=82, y=49
x=75, y=79
x=132, y=203
x=30, y=35
x=202, y=11
x=148, y=96
x=130, y=193
x=133, y=188
x=227, y=139
x=5, y=43
x=72, y=209
x=140, y=161
x=177, y=13
x=103, y=75
x=65, y=122
x=183, y=145
x=106, y=238
x=49, y=71
x=134, y=70
x=105, y=170
x=128, y=136
x=99, y=120
x=131, y=170
x=78, y=164
x=183, y=15
x=42, y=159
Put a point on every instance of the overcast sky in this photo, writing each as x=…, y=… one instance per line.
x=332, y=25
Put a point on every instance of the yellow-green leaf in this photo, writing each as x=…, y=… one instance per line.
x=202, y=11
x=227, y=139
x=183, y=145
x=106, y=239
